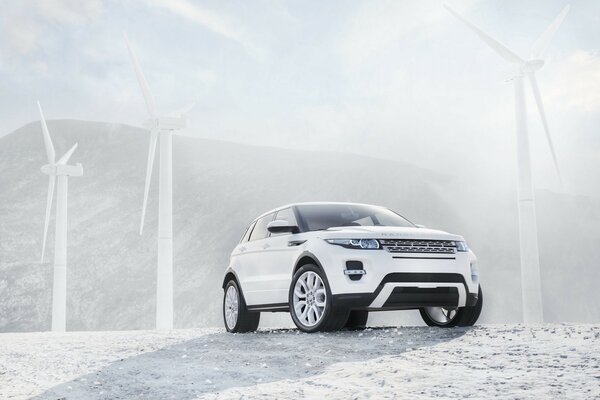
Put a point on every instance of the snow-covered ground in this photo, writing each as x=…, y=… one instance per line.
x=506, y=361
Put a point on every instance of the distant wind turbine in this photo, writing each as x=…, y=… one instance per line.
x=58, y=169
x=530, y=264
x=162, y=127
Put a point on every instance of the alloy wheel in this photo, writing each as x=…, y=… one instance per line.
x=441, y=315
x=310, y=298
x=231, y=306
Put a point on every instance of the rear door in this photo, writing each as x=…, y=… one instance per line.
x=252, y=271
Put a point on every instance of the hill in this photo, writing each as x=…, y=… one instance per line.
x=219, y=187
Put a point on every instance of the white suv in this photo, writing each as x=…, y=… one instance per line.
x=329, y=264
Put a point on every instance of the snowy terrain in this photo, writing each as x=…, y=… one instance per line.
x=504, y=361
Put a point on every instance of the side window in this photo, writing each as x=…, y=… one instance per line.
x=287, y=214
x=247, y=233
x=260, y=229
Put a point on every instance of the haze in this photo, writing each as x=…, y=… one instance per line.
x=391, y=79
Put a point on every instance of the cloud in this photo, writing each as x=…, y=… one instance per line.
x=376, y=28
x=23, y=24
x=18, y=36
x=67, y=11
x=576, y=83
x=212, y=21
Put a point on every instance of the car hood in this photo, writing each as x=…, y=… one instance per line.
x=385, y=232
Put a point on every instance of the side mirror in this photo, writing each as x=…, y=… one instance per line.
x=420, y=226
x=281, y=226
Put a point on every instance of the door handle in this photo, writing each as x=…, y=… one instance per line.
x=266, y=246
x=242, y=249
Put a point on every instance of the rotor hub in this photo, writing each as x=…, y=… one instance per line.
x=533, y=65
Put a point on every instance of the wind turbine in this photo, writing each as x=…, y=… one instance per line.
x=161, y=127
x=531, y=284
x=61, y=171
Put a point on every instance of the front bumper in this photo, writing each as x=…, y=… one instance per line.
x=393, y=281
x=404, y=291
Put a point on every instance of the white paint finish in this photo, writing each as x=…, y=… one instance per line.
x=528, y=237
x=149, y=167
x=264, y=267
x=60, y=172
x=49, y=199
x=164, y=276
x=59, y=292
x=531, y=284
x=161, y=128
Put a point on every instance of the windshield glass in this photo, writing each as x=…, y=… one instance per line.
x=323, y=216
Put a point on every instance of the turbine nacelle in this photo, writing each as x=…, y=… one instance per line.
x=156, y=124
x=526, y=68
x=532, y=296
x=53, y=169
x=532, y=66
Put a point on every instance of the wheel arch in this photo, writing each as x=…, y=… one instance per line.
x=230, y=275
x=307, y=258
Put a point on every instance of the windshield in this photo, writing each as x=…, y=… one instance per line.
x=316, y=217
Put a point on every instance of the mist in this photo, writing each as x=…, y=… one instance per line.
x=285, y=93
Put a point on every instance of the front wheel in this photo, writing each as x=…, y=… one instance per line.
x=311, y=304
x=236, y=316
x=446, y=317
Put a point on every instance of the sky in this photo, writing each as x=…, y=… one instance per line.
x=401, y=80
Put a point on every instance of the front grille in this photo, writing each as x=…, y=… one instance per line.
x=419, y=246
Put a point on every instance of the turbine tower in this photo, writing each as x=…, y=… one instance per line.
x=161, y=128
x=531, y=284
x=58, y=170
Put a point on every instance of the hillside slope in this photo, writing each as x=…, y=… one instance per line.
x=219, y=188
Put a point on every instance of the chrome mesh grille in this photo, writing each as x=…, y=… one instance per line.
x=418, y=246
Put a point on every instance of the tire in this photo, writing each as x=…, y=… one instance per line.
x=463, y=316
x=357, y=320
x=243, y=321
x=325, y=318
x=470, y=315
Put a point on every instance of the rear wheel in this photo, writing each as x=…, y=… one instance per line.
x=357, y=320
x=236, y=316
x=311, y=304
x=445, y=317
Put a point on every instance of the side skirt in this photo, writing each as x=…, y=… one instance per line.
x=276, y=307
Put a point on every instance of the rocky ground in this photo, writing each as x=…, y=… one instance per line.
x=500, y=361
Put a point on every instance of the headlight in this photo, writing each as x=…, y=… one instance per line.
x=462, y=246
x=370, y=244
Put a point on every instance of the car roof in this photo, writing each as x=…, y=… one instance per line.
x=312, y=203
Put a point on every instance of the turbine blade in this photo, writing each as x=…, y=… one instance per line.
x=540, y=45
x=51, y=182
x=183, y=111
x=151, y=153
x=498, y=47
x=47, y=140
x=65, y=158
x=141, y=80
x=540, y=106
